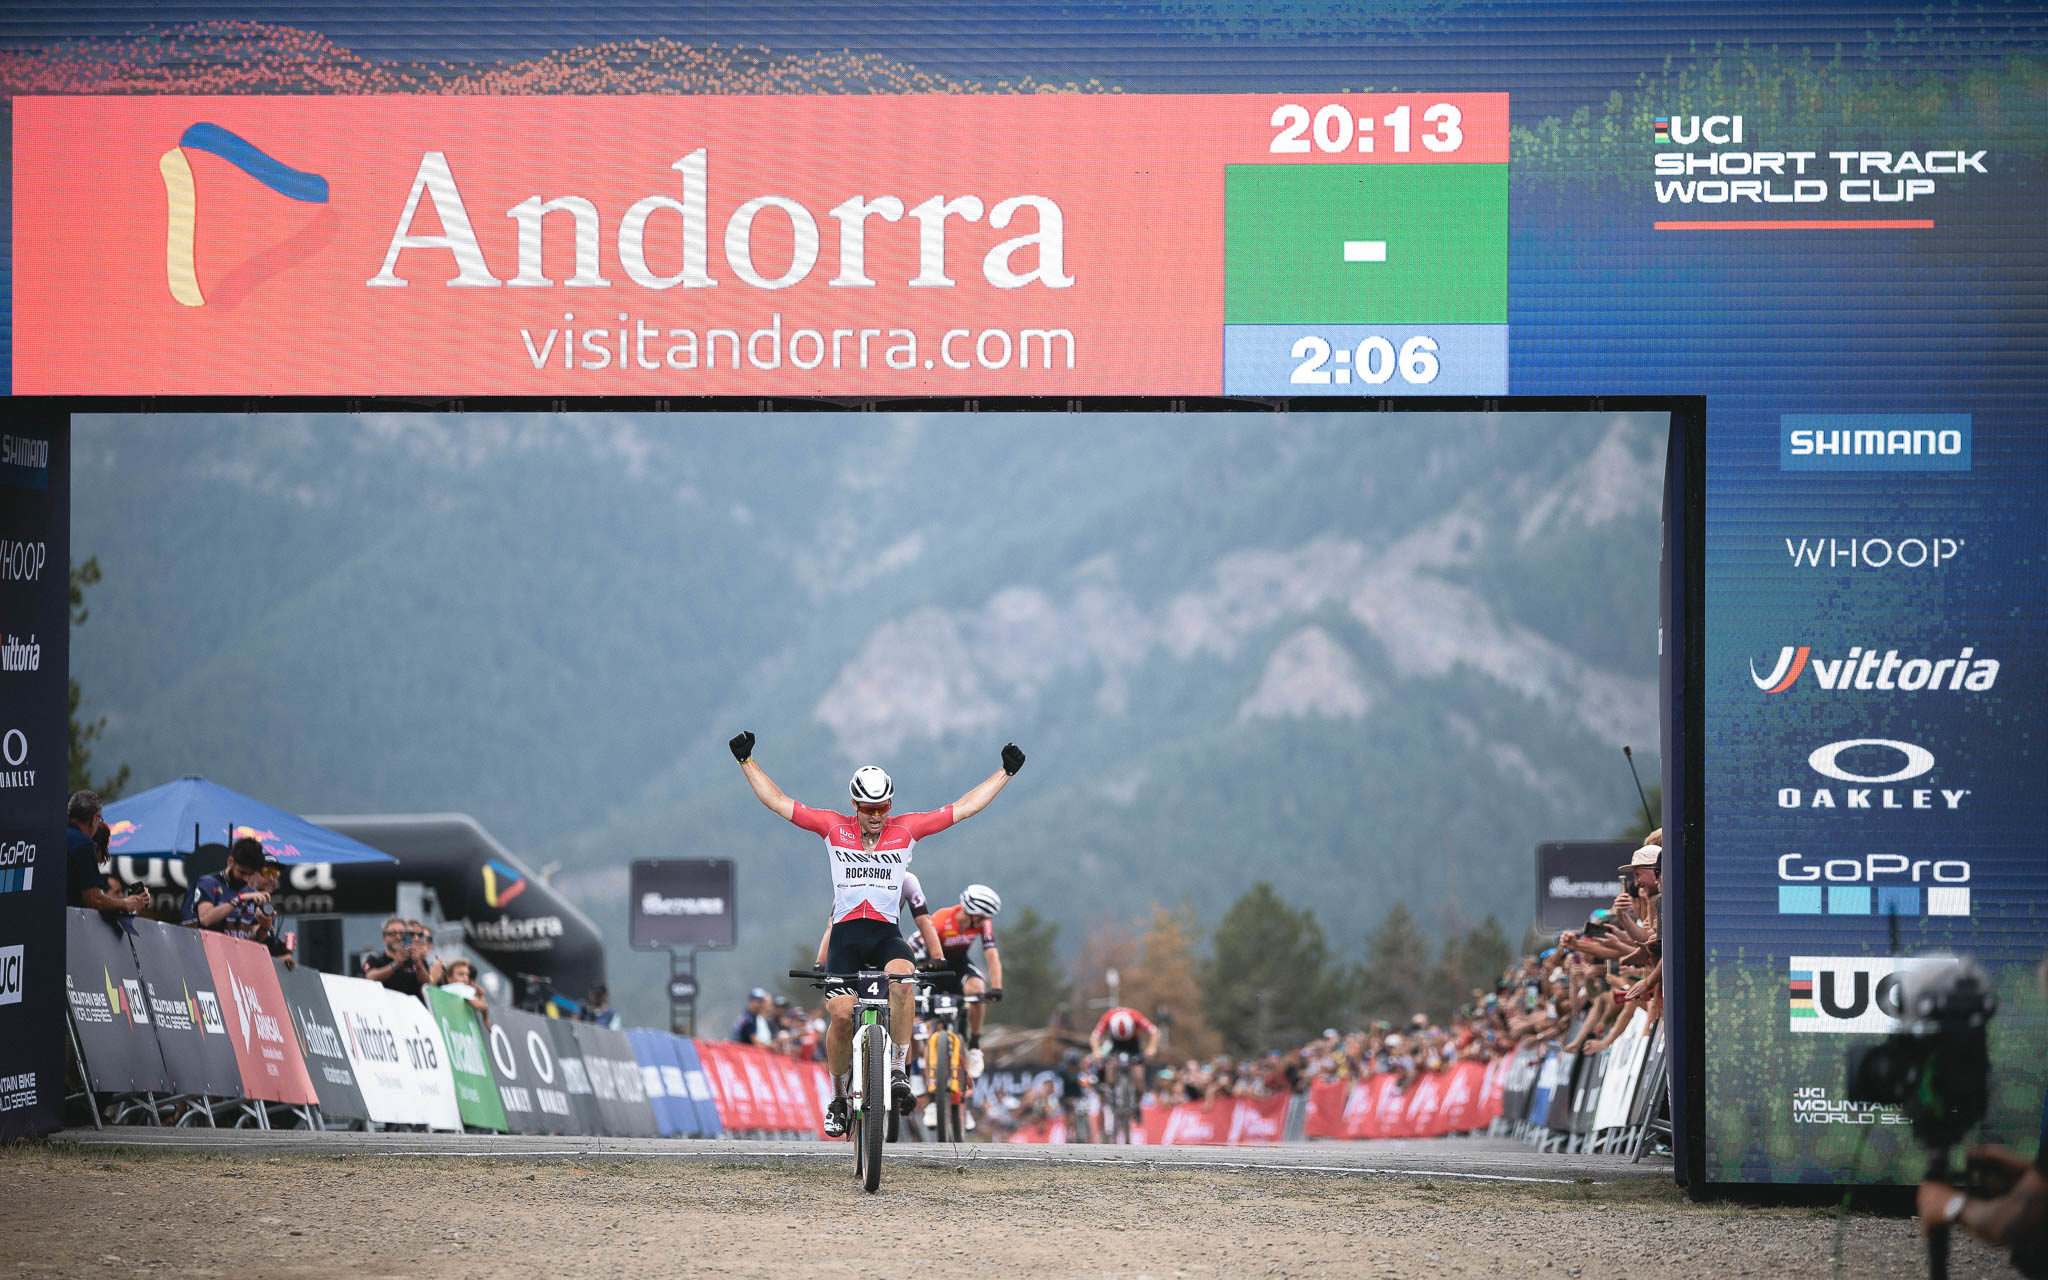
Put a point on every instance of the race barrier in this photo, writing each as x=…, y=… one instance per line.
x=758, y=1092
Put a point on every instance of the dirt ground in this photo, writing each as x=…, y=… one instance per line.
x=74, y=1211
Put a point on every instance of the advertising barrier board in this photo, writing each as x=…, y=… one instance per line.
x=265, y=1049
x=108, y=1007
x=530, y=1079
x=184, y=1007
x=575, y=1073
x=698, y=1086
x=476, y=1090
x=667, y=1092
x=622, y=1094
x=321, y=1044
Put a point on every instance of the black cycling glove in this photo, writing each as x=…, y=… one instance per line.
x=743, y=746
x=1013, y=759
x=994, y=993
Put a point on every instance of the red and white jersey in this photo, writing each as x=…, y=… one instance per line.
x=867, y=884
x=1141, y=1026
x=954, y=935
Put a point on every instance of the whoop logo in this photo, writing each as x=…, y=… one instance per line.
x=501, y=883
x=181, y=200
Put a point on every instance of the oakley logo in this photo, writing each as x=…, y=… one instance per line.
x=1826, y=760
x=181, y=197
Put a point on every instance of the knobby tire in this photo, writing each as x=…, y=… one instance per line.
x=876, y=1105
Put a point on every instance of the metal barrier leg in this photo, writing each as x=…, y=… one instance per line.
x=84, y=1073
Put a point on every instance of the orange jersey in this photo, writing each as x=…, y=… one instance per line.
x=954, y=935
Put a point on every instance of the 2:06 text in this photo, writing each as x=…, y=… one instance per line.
x=1373, y=361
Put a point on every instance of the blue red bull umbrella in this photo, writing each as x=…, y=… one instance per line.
x=172, y=820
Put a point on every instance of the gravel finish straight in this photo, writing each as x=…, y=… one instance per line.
x=322, y=1205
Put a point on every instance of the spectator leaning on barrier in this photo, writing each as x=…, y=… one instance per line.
x=226, y=900
x=753, y=1026
x=87, y=882
x=402, y=965
x=461, y=982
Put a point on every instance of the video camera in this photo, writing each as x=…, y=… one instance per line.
x=1936, y=1067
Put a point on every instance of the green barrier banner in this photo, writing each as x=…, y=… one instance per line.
x=476, y=1090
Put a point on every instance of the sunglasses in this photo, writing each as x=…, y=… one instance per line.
x=872, y=810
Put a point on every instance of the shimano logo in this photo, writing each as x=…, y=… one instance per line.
x=1867, y=670
x=1871, y=762
x=653, y=904
x=1873, y=553
x=1874, y=442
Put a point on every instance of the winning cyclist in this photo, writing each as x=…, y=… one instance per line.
x=958, y=929
x=927, y=941
x=869, y=851
x=1123, y=1030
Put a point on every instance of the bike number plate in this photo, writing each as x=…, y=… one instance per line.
x=874, y=986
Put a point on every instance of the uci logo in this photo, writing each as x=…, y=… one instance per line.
x=181, y=196
x=1835, y=994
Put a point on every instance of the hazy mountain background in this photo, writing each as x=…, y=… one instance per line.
x=1367, y=658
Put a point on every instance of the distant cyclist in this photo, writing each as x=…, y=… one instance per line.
x=1119, y=1031
x=958, y=929
x=869, y=853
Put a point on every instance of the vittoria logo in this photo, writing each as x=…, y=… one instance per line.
x=1865, y=670
x=182, y=204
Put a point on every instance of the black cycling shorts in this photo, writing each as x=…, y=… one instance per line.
x=955, y=974
x=863, y=944
x=1133, y=1047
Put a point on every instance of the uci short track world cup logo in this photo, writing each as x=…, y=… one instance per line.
x=182, y=204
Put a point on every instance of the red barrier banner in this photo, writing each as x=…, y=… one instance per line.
x=259, y=1025
x=1459, y=1110
x=1362, y=1107
x=1154, y=1128
x=910, y=244
x=1494, y=1089
x=730, y=1092
x=1053, y=1129
x=1421, y=1119
x=1390, y=1111
x=1327, y=1100
x=1258, y=1122
x=1200, y=1124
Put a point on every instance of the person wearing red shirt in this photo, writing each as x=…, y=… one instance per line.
x=869, y=852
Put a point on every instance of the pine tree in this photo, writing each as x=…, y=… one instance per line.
x=1166, y=985
x=84, y=733
x=1271, y=981
x=1396, y=968
x=1034, y=980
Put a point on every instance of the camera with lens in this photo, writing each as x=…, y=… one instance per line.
x=1936, y=1068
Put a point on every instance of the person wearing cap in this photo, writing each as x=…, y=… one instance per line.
x=869, y=850
x=87, y=881
x=598, y=1007
x=226, y=900
x=753, y=1027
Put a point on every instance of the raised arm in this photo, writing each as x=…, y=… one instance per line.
x=977, y=799
x=764, y=787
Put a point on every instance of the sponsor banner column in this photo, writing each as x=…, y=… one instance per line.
x=425, y=1060
x=709, y=1123
x=109, y=1008
x=622, y=1093
x=539, y=1074
x=575, y=1076
x=667, y=1092
x=185, y=1006
x=320, y=1044
x=371, y=1036
x=476, y=1091
x=35, y=554
x=268, y=1056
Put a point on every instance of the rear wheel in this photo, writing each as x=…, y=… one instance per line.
x=1124, y=1105
x=876, y=1105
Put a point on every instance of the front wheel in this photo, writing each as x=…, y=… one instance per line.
x=876, y=1105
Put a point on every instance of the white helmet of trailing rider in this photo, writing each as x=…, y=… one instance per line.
x=871, y=786
x=980, y=900
x=1122, y=1026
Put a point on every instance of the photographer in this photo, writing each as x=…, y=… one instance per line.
x=86, y=878
x=226, y=900
x=2015, y=1214
x=403, y=965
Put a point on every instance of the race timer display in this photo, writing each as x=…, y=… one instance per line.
x=1244, y=244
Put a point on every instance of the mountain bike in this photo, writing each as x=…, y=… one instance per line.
x=1120, y=1098
x=946, y=1062
x=867, y=1099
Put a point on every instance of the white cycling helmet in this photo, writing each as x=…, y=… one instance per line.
x=1121, y=1025
x=871, y=786
x=980, y=900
